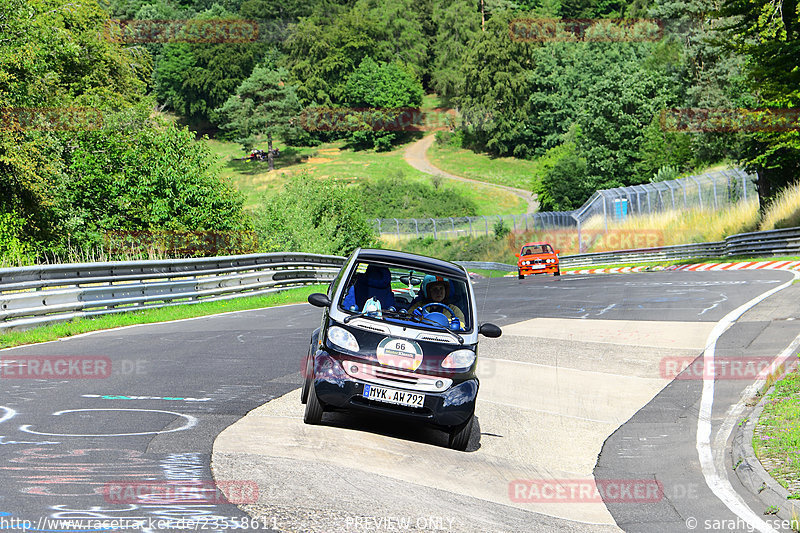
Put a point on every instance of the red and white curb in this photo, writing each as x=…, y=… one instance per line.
x=742, y=265
x=618, y=270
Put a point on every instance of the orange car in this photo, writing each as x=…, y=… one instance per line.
x=537, y=258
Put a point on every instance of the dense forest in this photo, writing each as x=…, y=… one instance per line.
x=89, y=92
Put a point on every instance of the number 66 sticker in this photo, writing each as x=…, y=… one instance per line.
x=399, y=353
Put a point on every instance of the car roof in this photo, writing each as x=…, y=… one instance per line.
x=409, y=260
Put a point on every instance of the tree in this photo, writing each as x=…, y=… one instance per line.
x=563, y=186
x=54, y=57
x=195, y=78
x=767, y=34
x=382, y=90
x=264, y=104
x=457, y=27
x=141, y=173
x=326, y=47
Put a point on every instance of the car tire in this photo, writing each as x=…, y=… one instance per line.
x=313, y=414
x=520, y=274
x=306, y=381
x=557, y=272
x=459, y=435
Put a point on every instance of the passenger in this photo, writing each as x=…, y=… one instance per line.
x=437, y=290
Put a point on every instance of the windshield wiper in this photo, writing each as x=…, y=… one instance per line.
x=440, y=327
x=405, y=316
x=371, y=314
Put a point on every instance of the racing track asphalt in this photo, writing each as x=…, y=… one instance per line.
x=178, y=385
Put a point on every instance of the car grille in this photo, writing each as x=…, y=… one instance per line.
x=399, y=379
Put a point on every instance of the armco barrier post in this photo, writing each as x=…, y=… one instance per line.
x=434, y=229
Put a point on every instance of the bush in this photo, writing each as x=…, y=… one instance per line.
x=500, y=230
x=447, y=138
x=13, y=250
x=315, y=216
x=141, y=173
x=394, y=196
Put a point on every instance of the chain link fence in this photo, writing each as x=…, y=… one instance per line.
x=452, y=227
x=713, y=190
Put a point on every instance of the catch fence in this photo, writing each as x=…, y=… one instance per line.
x=713, y=190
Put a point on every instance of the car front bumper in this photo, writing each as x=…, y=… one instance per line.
x=550, y=268
x=334, y=388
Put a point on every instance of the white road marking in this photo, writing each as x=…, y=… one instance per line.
x=714, y=470
x=715, y=304
x=8, y=413
x=190, y=422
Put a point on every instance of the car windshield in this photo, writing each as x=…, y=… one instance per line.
x=537, y=249
x=405, y=295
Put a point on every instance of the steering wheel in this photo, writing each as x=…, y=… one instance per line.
x=425, y=307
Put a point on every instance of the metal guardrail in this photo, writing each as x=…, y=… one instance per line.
x=487, y=265
x=773, y=242
x=33, y=296
x=759, y=243
x=661, y=253
x=38, y=295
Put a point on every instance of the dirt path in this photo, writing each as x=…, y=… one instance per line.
x=416, y=156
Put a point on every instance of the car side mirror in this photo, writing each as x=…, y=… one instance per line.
x=558, y=251
x=517, y=255
x=318, y=299
x=490, y=330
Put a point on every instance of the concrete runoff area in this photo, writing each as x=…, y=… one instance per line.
x=552, y=390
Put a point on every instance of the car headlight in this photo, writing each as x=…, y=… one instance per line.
x=343, y=339
x=459, y=359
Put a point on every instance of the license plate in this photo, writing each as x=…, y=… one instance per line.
x=397, y=397
x=538, y=266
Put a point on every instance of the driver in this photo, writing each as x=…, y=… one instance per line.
x=436, y=289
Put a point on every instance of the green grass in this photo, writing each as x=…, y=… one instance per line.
x=784, y=210
x=164, y=314
x=352, y=166
x=490, y=273
x=776, y=439
x=510, y=171
x=333, y=160
x=252, y=178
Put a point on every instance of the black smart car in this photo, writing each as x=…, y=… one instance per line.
x=399, y=335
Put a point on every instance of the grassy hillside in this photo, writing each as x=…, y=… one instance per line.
x=334, y=161
x=510, y=171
